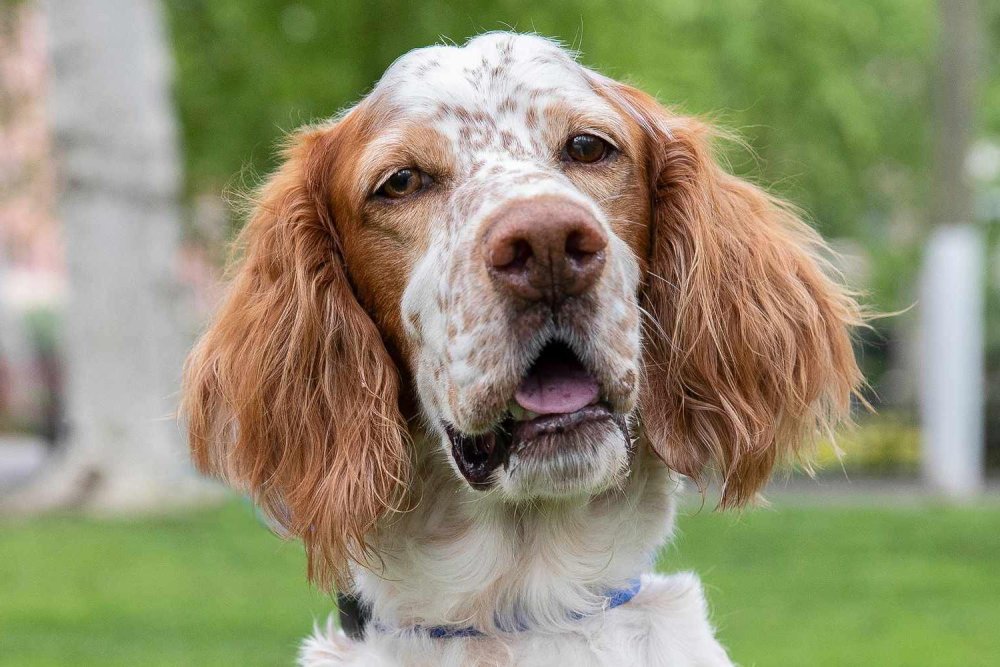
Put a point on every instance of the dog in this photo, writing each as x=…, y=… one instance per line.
x=480, y=327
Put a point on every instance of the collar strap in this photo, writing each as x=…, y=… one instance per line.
x=615, y=597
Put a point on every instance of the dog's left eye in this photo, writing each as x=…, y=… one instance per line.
x=402, y=183
x=586, y=148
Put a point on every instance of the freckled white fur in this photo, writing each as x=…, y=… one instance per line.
x=490, y=174
x=465, y=557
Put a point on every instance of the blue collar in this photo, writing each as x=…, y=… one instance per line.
x=616, y=597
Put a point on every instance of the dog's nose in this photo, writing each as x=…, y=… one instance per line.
x=545, y=249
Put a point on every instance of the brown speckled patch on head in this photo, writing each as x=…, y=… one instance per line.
x=508, y=104
x=531, y=118
x=414, y=322
x=426, y=67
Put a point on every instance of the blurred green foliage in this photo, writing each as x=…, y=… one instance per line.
x=882, y=444
x=833, y=98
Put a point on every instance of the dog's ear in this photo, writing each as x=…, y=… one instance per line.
x=749, y=352
x=291, y=394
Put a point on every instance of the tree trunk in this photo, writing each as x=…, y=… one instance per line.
x=118, y=172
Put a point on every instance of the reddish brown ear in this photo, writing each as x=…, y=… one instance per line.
x=750, y=354
x=291, y=395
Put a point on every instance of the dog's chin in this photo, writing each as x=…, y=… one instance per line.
x=549, y=457
x=581, y=461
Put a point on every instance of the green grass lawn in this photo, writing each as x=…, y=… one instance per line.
x=788, y=586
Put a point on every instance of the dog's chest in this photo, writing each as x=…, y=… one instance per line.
x=666, y=624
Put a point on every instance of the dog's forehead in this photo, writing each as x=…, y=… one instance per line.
x=489, y=70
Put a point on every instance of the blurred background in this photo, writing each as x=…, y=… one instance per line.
x=127, y=125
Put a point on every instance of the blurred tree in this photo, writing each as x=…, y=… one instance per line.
x=119, y=181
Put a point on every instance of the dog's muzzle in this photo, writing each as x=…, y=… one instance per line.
x=556, y=404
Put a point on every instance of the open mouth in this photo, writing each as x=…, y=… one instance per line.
x=558, y=396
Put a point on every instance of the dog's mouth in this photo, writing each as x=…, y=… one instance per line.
x=557, y=398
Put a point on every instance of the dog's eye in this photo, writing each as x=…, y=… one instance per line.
x=402, y=183
x=587, y=148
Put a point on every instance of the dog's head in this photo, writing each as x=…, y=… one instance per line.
x=534, y=267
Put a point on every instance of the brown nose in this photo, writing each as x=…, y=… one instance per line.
x=545, y=249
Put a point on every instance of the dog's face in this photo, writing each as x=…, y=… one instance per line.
x=510, y=193
x=538, y=269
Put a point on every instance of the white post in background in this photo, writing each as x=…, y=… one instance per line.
x=952, y=321
x=951, y=298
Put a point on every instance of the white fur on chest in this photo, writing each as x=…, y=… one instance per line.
x=665, y=625
x=459, y=558
x=464, y=558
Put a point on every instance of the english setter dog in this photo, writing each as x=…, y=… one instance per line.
x=480, y=325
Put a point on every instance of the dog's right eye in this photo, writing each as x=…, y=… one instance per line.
x=586, y=148
x=402, y=183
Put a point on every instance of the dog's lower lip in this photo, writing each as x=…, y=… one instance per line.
x=524, y=432
x=477, y=456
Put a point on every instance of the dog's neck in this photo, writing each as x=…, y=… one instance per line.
x=467, y=558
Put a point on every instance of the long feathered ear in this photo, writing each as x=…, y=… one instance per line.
x=291, y=395
x=750, y=354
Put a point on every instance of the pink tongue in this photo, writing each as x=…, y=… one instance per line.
x=556, y=387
